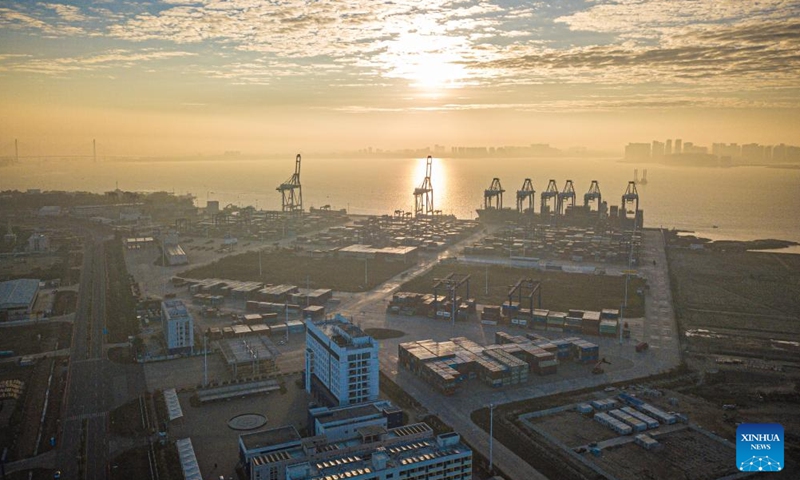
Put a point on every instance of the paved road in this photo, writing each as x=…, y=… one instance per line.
x=94, y=384
x=85, y=410
x=457, y=416
x=659, y=329
x=660, y=326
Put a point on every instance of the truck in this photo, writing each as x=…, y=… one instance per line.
x=642, y=346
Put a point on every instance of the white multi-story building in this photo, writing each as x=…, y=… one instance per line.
x=341, y=363
x=374, y=453
x=178, y=326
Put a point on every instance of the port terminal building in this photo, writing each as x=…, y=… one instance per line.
x=341, y=363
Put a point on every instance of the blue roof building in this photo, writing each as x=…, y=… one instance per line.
x=17, y=298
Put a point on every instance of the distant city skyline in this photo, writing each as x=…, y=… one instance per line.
x=179, y=77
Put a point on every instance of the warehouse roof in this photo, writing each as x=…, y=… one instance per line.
x=18, y=293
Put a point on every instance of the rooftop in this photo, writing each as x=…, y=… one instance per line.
x=245, y=350
x=400, y=441
x=343, y=333
x=368, y=250
x=270, y=438
x=339, y=414
x=175, y=308
x=403, y=454
x=18, y=293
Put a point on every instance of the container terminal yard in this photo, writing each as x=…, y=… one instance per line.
x=250, y=281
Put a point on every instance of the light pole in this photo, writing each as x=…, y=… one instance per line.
x=491, y=437
x=487, y=280
x=205, y=360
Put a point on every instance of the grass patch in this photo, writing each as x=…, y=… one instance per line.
x=560, y=291
x=64, y=302
x=30, y=339
x=120, y=304
x=126, y=420
x=121, y=355
x=286, y=267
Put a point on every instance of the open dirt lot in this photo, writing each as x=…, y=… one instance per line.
x=341, y=274
x=560, y=291
x=686, y=454
x=573, y=428
x=26, y=340
x=741, y=303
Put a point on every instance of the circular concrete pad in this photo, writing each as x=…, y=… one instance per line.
x=247, y=421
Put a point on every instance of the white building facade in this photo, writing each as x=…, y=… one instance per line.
x=178, y=327
x=341, y=363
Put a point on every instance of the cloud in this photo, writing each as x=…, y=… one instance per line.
x=65, y=65
x=17, y=20
x=69, y=13
x=656, y=18
x=499, y=48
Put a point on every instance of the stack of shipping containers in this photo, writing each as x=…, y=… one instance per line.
x=446, y=364
x=590, y=323
x=555, y=321
x=540, y=319
x=609, y=322
x=585, y=352
x=573, y=321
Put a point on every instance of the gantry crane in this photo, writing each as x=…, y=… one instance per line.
x=593, y=195
x=567, y=195
x=423, y=195
x=292, y=201
x=451, y=283
x=630, y=198
x=549, y=196
x=493, y=196
x=523, y=194
x=528, y=288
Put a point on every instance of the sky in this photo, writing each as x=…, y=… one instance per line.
x=205, y=76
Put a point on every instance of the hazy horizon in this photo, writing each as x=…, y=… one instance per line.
x=185, y=77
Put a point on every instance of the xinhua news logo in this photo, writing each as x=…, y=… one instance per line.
x=759, y=447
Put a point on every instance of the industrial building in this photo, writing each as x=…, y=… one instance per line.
x=178, y=327
x=407, y=452
x=402, y=253
x=248, y=355
x=38, y=243
x=175, y=255
x=341, y=362
x=339, y=423
x=17, y=298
